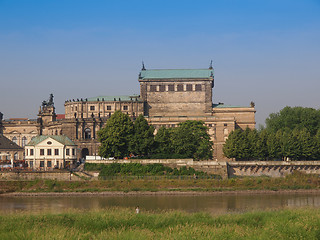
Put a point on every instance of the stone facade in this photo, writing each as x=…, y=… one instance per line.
x=167, y=98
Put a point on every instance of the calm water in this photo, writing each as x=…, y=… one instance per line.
x=213, y=204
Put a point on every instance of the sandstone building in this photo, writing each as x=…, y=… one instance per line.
x=167, y=97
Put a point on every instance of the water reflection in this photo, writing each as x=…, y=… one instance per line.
x=218, y=204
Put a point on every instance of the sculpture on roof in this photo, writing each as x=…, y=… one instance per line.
x=48, y=103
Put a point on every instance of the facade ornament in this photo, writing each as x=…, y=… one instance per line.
x=252, y=104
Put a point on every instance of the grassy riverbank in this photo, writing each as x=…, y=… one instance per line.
x=295, y=181
x=121, y=223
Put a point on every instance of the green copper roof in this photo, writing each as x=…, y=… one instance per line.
x=176, y=73
x=225, y=106
x=115, y=98
x=59, y=138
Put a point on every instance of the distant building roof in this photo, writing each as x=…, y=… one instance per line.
x=176, y=73
x=7, y=144
x=115, y=98
x=59, y=138
x=60, y=116
x=219, y=105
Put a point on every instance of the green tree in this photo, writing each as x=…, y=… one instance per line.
x=274, y=145
x=142, y=141
x=294, y=117
x=163, y=141
x=234, y=146
x=191, y=138
x=308, y=145
x=262, y=152
x=115, y=136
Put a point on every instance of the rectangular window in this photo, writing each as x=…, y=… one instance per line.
x=56, y=152
x=162, y=88
x=108, y=107
x=225, y=124
x=125, y=108
x=31, y=152
x=171, y=88
x=91, y=108
x=67, y=151
x=153, y=88
x=73, y=151
x=180, y=87
x=49, y=164
x=189, y=87
x=41, y=163
x=26, y=153
x=198, y=87
x=41, y=152
x=31, y=164
x=49, y=152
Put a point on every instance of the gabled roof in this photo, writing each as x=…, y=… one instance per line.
x=7, y=144
x=59, y=138
x=176, y=73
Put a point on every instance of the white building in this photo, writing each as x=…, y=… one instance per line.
x=46, y=152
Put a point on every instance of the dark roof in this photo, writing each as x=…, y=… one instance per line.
x=7, y=144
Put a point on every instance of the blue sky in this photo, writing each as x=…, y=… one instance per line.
x=263, y=51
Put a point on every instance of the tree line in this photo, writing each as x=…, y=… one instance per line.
x=121, y=137
x=293, y=133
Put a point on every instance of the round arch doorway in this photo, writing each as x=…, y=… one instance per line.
x=84, y=153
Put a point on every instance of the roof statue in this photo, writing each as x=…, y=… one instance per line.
x=143, y=67
x=210, y=67
x=48, y=103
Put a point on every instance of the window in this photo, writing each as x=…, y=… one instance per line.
x=180, y=87
x=87, y=133
x=109, y=107
x=56, y=152
x=31, y=164
x=162, y=88
x=15, y=156
x=76, y=108
x=198, y=87
x=125, y=108
x=73, y=151
x=31, y=152
x=49, y=164
x=171, y=88
x=8, y=156
x=189, y=87
x=15, y=140
x=24, y=141
x=225, y=124
x=91, y=108
x=67, y=151
x=153, y=88
x=41, y=163
x=49, y=152
x=41, y=152
x=210, y=125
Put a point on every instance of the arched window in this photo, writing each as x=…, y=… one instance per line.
x=87, y=133
x=24, y=141
x=15, y=140
x=15, y=156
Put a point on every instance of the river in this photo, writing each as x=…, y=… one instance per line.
x=214, y=204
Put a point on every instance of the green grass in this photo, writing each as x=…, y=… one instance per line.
x=123, y=223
